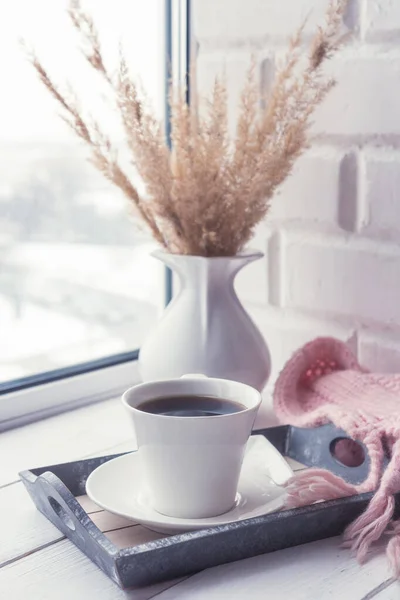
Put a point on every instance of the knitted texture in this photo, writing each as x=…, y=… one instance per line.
x=322, y=383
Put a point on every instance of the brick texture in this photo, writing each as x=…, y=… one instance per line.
x=364, y=102
x=332, y=201
x=337, y=275
x=235, y=22
x=382, y=18
x=332, y=237
x=252, y=281
x=382, y=192
x=228, y=20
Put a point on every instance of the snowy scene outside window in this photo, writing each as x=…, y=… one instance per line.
x=76, y=279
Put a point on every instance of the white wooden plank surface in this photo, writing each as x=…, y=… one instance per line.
x=106, y=521
x=87, y=504
x=125, y=446
x=132, y=536
x=59, y=571
x=317, y=571
x=88, y=431
x=22, y=527
x=62, y=572
x=388, y=590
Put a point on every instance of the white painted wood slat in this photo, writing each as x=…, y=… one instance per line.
x=388, y=590
x=88, y=431
x=87, y=504
x=23, y=528
x=316, y=571
x=62, y=572
x=132, y=536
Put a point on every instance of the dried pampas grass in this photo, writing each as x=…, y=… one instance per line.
x=206, y=194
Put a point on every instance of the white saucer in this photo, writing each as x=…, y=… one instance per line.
x=117, y=487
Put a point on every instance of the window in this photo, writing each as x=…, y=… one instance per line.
x=77, y=283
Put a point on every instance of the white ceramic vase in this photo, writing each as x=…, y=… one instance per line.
x=205, y=329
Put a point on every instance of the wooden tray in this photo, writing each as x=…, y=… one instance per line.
x=132, y=555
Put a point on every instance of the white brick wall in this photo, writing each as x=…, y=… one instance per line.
x=223, y=23
x=332, y=238
x=329, y=203
x=382, y=18
x=381, y=172
x=365, y=103
x=341, y=276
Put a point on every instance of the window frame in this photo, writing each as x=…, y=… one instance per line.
x=41, y=395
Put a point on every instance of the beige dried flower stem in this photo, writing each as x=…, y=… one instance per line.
x=291, y=103
x=145, y=140
x=85, y=27
x=99, y=144
x=207, y=195
x=143, y=133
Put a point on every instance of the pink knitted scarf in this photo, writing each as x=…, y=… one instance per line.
x=322, y=383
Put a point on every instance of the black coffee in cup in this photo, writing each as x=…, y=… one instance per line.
x=190, y=406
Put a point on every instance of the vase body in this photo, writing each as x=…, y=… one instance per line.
x=205, y=329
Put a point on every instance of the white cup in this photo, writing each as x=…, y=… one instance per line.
x=191, y=465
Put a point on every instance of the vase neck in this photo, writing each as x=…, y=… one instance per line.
x=200, y=268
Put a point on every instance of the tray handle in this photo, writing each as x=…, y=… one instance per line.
x=55, y=501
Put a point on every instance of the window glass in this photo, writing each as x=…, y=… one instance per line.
x=76, y=279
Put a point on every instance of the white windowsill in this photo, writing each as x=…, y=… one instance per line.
x=38, y=402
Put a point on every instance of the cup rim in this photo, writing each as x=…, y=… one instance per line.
x=139, y=386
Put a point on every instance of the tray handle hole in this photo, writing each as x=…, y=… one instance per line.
x=61, y=513
x=347, y=452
